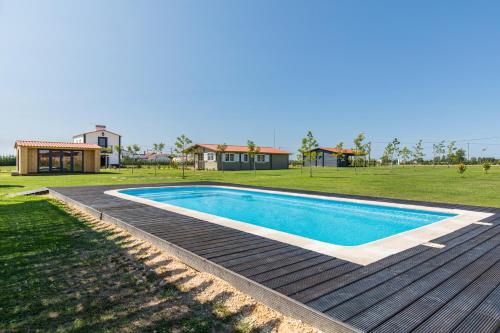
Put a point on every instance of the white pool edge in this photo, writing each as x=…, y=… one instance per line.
x=361, y=254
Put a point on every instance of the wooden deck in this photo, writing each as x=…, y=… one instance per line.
x=422, y=289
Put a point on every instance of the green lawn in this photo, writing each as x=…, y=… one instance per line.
x=439, y=184
x=61, y=273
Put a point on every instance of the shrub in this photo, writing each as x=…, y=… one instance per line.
x=486, y=166
x=7, y=160
x=461, y=168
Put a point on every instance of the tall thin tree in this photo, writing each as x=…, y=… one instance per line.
x=359, y=149
x=368, y=151
x=418, y=153
x=309, y=144
x=181, y=148
x=395, y=147
x=339, y=153
x=157, y=149
x=405, y=155
x=450, y=152
x=221, y=149
x=388, y=155
x=133, y=150
x=300, y=156
x=119, y=149
x=253, y=150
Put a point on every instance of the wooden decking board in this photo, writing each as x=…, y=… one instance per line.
x=484, y=318
x=250, y=254
x=292, y=268
x=246, y=243
x=185, y=233
x=352, y=299
x=329, y=299
x=425, y=289
x=452, y=310
x=270, y=260
x=218, y=241
x=300, y=288
x=329, y=286
x=445, y=306
x=382, y=311
x=284, y=262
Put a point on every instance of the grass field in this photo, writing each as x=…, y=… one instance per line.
x=438, y=184
x=60, y=272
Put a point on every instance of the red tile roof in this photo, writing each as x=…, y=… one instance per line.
x=243, y=149
x=50, y=144
x=335, y=150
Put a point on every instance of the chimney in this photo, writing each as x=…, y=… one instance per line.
x=100, y=127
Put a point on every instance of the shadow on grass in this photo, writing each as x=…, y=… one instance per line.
x=11, y=186
x=58, y=273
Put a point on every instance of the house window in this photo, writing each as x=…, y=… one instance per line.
x=229, y=158
x=210, y=156
x=260, y=158
x=60, y=160
x=102, y=142
x=245, y=157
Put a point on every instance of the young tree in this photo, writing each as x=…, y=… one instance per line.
x=133, y=150
x=388, y=155
x=395, y=147
x=450, y=148
x=359, y=149
x=368, y=151
x=340, y=153
x=405, y=155
x=221, y=149
x=459, y=156
x=181, y=146
x=461, y=168
x=253, y=150
x=418, y=152
x=309, y=143
x=157, y=149
x=486, y=166
x=300, y=157
x=438, y=150
x=119, y=149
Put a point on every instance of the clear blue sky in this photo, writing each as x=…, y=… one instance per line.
x=228, y=71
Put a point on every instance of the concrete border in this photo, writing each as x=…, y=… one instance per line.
x=39, y=191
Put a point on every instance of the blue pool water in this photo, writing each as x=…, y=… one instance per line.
x=335, y=222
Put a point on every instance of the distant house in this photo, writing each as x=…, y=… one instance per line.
x=33, y=157
x=157, y=157
x=107, y=140
x=237, y=158
x=327, y=157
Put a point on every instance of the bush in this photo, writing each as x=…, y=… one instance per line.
x=486, y=166
x=461, y=168
x=7, y=160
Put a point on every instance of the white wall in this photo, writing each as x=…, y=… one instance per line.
x=113, y=140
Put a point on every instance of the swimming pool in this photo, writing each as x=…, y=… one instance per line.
x=358, y=230
x=334, y=222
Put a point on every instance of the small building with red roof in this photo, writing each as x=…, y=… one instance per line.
x=208, y=157
x=330, y=157
x=34, y=157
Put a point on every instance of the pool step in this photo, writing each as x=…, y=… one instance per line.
x=435, y=245
x=482, y=223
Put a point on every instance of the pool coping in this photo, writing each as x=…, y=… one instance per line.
x=363, y=254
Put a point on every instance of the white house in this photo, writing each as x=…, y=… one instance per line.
x=106, y=139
